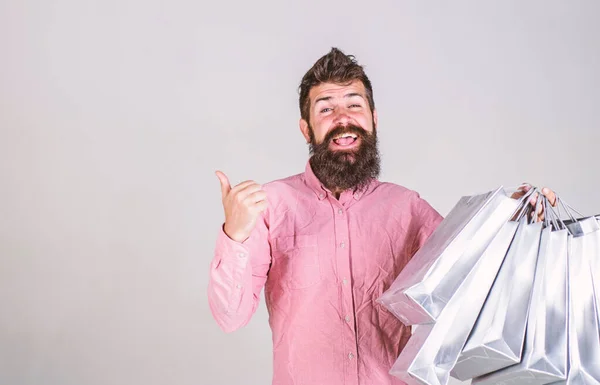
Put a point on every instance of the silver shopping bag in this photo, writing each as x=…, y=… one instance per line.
x=584, y=290
x=433, y=349
x=545, y=351
x=416, y=296
x=498, y=336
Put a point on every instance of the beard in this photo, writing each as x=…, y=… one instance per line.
x=345, y=169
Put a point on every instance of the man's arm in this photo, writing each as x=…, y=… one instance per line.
x=238, y=273
x=242, y=258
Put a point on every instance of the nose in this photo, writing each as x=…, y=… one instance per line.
x=341, y=118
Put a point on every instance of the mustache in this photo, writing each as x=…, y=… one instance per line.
x=348, y=129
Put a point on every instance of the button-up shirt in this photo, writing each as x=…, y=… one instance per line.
x=323, y=263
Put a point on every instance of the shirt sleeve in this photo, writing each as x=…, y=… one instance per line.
x=238, y=273
x=428, y=220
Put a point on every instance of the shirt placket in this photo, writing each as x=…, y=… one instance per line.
x=347, y=302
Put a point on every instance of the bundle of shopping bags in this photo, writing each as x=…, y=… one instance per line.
x=499, y=297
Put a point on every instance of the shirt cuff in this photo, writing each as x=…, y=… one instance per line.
x=229, y=249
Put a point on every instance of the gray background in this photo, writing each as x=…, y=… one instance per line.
x=115, y=114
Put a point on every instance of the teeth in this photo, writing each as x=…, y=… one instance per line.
x=345, y=136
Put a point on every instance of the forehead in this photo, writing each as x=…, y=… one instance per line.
x=335, y=90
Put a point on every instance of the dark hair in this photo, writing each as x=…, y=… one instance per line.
x=334, y=67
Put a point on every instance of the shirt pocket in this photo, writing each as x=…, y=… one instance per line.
x=298, y=256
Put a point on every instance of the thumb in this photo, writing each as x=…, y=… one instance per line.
x=225, y=186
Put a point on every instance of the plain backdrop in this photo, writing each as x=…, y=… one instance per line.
x=114, y=116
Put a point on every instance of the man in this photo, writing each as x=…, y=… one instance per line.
x=325, y=243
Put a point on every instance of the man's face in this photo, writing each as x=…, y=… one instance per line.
x=333, y=105
x=341, y=135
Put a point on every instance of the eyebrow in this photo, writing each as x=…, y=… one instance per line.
x=350, y=95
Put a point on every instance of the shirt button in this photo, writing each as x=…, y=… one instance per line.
x=340, y=211
x=351, y=356
x=347, y=318
x=238, y=286
x=356, y=196
x=321, y=195
x=342, y=245
x=241, y=255
x=344, y=281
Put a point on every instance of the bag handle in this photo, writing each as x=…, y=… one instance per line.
x=552, y=216
x=568, y=209
x=538, y=205
x=523, y=206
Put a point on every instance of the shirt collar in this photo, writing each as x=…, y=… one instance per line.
x=321, y=191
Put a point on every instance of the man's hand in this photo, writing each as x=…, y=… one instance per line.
x=548, y=193
x=243, y=205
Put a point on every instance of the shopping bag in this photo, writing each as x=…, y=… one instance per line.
x=433, y=349
x=545, y=351
x=417, y=295
x=584, y=290
x=498, y=335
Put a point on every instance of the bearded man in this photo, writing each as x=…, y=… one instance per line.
x=325, y=244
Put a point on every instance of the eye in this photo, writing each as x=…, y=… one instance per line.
x=355, y=106
x=324, y=110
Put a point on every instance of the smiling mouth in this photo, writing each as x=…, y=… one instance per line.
x=345, y=140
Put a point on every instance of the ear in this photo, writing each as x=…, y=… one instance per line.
x=375, y=118
x=304, y=129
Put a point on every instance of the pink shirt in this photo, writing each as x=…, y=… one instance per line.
x=323, y=263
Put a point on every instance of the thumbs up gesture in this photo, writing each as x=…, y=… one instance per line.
x=243, y=204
